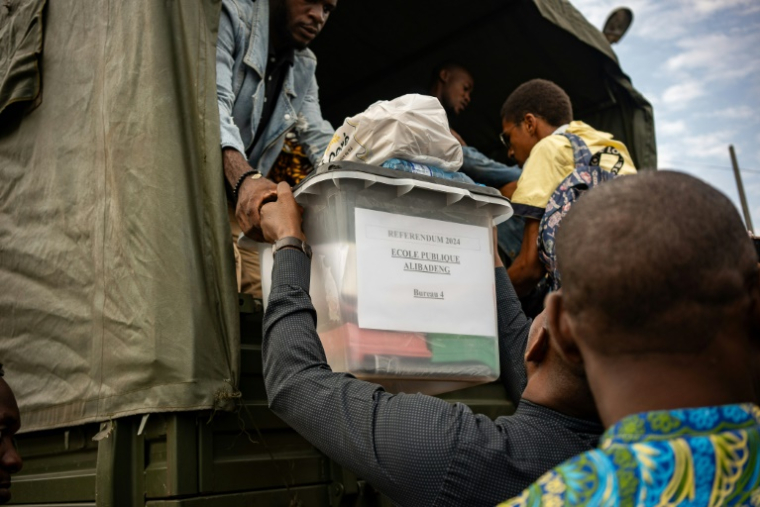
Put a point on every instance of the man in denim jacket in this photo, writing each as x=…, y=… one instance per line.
x=266, y=87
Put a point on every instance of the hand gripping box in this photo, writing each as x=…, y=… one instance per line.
x=402, y=275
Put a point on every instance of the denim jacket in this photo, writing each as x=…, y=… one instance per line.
x=241, y=62
x=486, y=171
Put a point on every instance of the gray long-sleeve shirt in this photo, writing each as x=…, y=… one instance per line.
x=416, y=449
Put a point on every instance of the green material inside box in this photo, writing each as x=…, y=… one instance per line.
x=458, y=348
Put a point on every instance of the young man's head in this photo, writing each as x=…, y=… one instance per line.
x=661, y=295
x=452, y=84
x=533, y=111
x=10, y=421
x=296, y=23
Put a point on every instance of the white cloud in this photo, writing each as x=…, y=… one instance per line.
x=714, y=144
x=699, y=52
x=715, y=56
x=743, y=112
x=680, y=95
x=706, y=7
x=692, y=152
x=671, y=128
x=699, y=63
x=667, y=156
x=667, y=19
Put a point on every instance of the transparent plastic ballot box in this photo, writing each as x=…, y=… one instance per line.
x=402, y=275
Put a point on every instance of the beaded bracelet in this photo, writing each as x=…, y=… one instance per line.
x=239, y=183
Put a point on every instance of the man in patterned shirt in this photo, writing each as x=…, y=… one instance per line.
x=661, y=304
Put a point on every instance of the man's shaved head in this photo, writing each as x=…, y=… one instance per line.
x=658, y=258
x=452, y=84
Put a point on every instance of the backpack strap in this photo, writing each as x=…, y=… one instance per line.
x=581, y=153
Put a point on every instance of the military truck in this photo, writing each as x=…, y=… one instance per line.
x=136, y=364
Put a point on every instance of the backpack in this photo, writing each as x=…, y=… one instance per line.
x=587, y=174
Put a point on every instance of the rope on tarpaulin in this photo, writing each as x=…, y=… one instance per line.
x=236, y=397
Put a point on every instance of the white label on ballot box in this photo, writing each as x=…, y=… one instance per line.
x=417, y=274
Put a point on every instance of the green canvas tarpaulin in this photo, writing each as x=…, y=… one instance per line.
x=380, y=50
x=20, y=48
x=117, y=288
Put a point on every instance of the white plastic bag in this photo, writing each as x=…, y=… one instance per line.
x=411, y=127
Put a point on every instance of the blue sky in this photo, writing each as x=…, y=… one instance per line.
x=698, y=63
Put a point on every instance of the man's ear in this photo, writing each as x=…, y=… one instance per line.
x=444, y=76
x=561, y=329
x=539, y=346
x=531, y=123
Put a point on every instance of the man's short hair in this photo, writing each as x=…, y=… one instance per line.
x=658, y=258
x=449, y=65
x=541, y=98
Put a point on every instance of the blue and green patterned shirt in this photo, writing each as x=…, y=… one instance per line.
x=706, y=456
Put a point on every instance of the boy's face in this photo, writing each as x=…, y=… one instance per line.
x=520, y=143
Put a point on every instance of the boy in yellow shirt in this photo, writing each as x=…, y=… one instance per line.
x=535, y=118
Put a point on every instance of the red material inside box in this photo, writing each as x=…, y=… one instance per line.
x=364, y=342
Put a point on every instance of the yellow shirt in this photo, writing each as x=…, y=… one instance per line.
x=551, y=161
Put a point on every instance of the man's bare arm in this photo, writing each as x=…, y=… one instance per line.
x=527, y=270
x=251, y=194
x=235, y=165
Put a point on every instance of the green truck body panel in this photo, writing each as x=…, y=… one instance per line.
x=187, y=459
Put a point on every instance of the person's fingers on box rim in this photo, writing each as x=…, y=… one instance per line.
x=267, y=206
x=284, y=191
x=264, y=191
x=267, y=197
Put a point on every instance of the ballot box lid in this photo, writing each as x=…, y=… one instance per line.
x=336, y=172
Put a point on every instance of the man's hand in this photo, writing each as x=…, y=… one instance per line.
x=251, y=195
x=282, y=218
x=527, y=269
